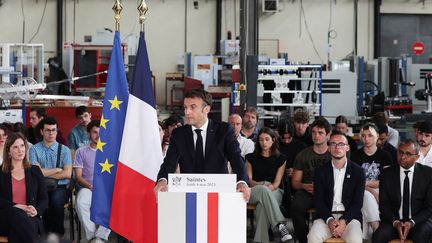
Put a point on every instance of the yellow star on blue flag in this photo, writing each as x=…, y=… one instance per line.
x=106, y=166
x=115, y=103
x=108, y=146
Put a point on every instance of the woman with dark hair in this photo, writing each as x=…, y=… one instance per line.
x=23, y=195
x=265, y=168
x=4, y=133
x=289, y=146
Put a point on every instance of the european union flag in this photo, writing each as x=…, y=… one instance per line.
x=111, y=132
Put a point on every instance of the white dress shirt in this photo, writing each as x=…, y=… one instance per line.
x=393, y=136
x=426, y=159
x=247, y=146
x=203, y=135
x=338, y=178
x=402, y=178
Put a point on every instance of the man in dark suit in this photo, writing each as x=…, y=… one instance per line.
x=217, y=143
x=338, y=198
x=405, y=198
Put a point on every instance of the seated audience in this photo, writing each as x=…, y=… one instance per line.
x=84, y=167
x=35, y=116
x=405, y=198
x=56, y=163
x=164, y=146
x=246, y=144
x=338, y=194
x=78, y=136
x=250, y=121
x=288, y=145
x=4, y=133
x=265, y=168
x=424, y=139
x=301, y=125
x=373, y=160
x=383, y=143
x=171, y=123
x=302, y=178
x=23, y=195
x=342, y=126
x=393, y=134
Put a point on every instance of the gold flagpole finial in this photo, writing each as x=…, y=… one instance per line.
x=117, y=8
x=142, y=9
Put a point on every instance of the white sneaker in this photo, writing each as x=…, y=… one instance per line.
x=285, y=235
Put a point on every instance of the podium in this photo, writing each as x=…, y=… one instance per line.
x=201, y=208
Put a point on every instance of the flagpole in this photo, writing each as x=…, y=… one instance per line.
x=142, y=9
x=117, y=8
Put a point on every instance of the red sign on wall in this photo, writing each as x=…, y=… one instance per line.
x=418, y=48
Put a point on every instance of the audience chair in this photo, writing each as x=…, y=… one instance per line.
x=311, y=213
x=334, y=240
x=3, y=239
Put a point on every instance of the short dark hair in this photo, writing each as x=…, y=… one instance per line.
x=321, y=122
x=337, y=133
x=252, y=110
x=341, y=119
x=200, y=93
x=47, y=121
x=93, y=123
x=424, y=126
x=382, y=128
x=19, y=127
x=285, y=127
x=301, y=116
x=80, y=110
x=40, y=111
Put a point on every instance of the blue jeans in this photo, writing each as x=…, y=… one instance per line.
x=54, y=216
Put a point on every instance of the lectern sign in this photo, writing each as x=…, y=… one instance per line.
x=201, y=182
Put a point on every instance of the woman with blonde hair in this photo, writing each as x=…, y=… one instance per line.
x=373, y=160
x=23, y=195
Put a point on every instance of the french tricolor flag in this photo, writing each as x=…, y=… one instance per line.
x=134, y=208
x=201, y=217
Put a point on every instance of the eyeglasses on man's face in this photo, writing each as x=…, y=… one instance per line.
x=336, y=145
x=408, y=154
x=50, y=130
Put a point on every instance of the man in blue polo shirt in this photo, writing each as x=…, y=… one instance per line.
x=78, y=136
x=45, y=154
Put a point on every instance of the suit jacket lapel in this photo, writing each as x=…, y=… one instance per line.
x=347, y=180
x=330, y=182
x=8, y=185
x=190, y=142
x=396, y=176
x=416, y=184
x=209, y=138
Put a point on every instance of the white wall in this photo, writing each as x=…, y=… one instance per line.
x=165, y=26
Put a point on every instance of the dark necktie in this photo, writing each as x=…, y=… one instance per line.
x=406, y=196
x=199, y=154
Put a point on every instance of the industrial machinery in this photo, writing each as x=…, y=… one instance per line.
x=426, y=94
x=286, y=88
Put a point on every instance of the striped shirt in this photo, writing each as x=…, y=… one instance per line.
x=47, y=157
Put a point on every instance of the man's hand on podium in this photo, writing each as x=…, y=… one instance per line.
x=244, y=188
x=161, y=186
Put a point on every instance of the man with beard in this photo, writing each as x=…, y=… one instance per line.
x=303, y=173
x=424, y=139
x=246, y=145
x=250, y=120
